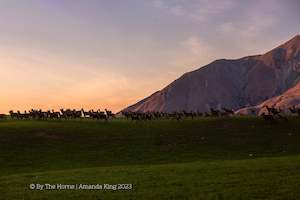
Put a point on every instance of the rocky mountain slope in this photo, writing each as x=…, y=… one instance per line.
x=233, y=84
x=284, y=101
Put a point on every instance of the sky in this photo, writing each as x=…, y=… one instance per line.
x=111, y=53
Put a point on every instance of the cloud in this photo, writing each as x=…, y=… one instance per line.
x=254, y=27
x=197, y=10
x=192, y=51
x=158, y=3
x=233, y=28
x=197, y=46
x=178, y=10
x=206, y=9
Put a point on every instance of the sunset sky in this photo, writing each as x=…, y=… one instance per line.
x=111, y=53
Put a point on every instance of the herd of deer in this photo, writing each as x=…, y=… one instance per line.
x=176, y=115
x=62, y=114
x=107, y=114
x=271, y=114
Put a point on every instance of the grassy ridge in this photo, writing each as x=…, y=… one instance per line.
x=208, y=158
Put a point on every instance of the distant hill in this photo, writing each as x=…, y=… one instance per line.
x=234, y=84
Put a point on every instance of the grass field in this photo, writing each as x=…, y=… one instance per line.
x=233, y=158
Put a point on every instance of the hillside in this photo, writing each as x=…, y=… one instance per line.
x=284, y=101
x=230, y=83
x=207, y=158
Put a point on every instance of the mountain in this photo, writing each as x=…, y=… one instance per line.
x=284, y=101
x=234, y=84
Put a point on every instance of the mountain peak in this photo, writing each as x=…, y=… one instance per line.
x=231, y=84
x=279, y=56
x=294, y=41
x=296, y=37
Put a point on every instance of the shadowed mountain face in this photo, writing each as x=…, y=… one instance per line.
x=230, y=83
x=284, y=101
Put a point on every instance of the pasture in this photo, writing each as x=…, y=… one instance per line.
x=203, y=158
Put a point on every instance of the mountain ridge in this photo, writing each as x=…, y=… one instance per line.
x=231, y=83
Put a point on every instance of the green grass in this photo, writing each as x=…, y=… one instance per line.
x=234, y=158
